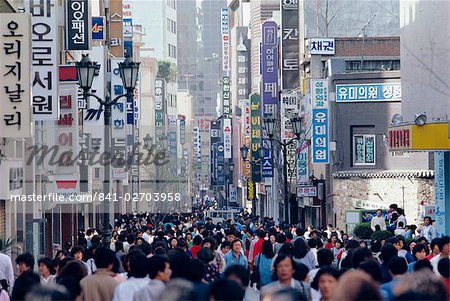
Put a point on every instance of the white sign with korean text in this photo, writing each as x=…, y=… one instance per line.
x=45, y=58
x=306, y=191
x=324, y=46
x=227, y=138
x=118, y=111
x=225, y=39
x=15, y=112
x=289, y=106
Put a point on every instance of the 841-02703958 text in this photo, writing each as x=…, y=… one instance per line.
x=139, y=197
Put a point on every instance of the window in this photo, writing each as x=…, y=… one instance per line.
x=364, y=150
x=386, y=65
x=171, y=26
x=172, y=51
x=171, y=4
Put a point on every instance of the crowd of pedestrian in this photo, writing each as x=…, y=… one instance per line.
x=188, y=257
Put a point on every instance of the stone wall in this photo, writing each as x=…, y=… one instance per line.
x=381, y=192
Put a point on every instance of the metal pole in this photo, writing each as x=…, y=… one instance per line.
x=106, y=182
x=286, y=196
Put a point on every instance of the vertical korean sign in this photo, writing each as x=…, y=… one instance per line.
x=290, y=46
x=116, y=28
x=246, y=132
x=320, y=140
x=215, y=141
x=118, y=110
x=45, y=58
x=78, y=28
x=269, y=66
x=441, y=176
x=256, y=141
x=159, y=106
x=225, y=30
x=173, y=142
x=227, y=138
x=303, y=164
x=226, y=95
x=127, y=27
x=15, y=112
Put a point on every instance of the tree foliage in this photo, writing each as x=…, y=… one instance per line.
x=363, y=231
x=167, y=71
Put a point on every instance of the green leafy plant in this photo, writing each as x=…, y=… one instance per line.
x=8, y=245
x=380, y=235
x=363, y=231
x=167, y=71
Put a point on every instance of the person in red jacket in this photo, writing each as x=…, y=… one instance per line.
x=196, y=246
x=258, y=245
x=330, y=244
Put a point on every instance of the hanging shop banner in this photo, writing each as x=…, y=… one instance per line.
x=127, y=11
x=289, y=106
x=66, y=129
x=251, y=190
x=98, y=28
x=78, y=26
x=241, y=71
x=215, y=139
x=116, y=28
x=173, y=142
x=15, y=112
x=197, y=148
x=290, y=46
x=303, y=164
x=246, y=118
x=45, y=58
x=320, y=141
x=182, y=130
x=267, y=161
x=220, y=165
x=233, y=194
x=227, y=137
x=256, y=138
x=441, y=169
x=160, y=96
x=269, y=65
x=225, y=30
x=226, y=95
x=118, y=111
x=321, y=46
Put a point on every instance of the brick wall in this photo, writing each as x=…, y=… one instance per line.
x=373, y=46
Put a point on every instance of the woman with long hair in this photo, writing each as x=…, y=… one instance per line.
x=263, y=262
x=302, y=254
x=326, y=282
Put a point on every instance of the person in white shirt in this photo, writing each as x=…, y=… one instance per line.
x=428, y=231
x=400, y=229
x=401, y=217
x=378, y=220
x=6, y=270
x=444, y=247
x=46, y=271
x=137, y=277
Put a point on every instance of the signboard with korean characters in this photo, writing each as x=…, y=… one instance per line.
x=160, y=96
x=119, y=109
x=303, y=164
x=225, y=30
x=325, y=46
x=289, y=106
x=269, y=65
x=66, y=129
x=226, y=95
x=45, y=62
x=306, y=191
x=256, y=137
x=320, y=140
x=78, y=25
x=116, y=28
x=15, y=112
x=227, y=137
x=290, y=46
x=182, y=130
x=369, y=92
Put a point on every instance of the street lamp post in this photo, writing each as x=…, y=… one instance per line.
x=270, y=125
x=128, y=72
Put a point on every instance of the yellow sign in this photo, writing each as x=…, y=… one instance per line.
x=411, y=137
